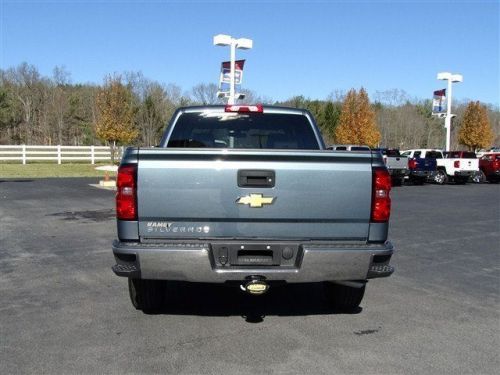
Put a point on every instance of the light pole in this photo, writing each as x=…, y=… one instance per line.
x=451, y=78
x=240, y=43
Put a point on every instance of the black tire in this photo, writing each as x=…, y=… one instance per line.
x=478, y=177
x=441, y=177
x=146, y=295
x=344, y=298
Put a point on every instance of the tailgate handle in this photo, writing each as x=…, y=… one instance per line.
x=256, y=178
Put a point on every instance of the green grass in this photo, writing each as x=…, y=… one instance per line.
x=44, y=170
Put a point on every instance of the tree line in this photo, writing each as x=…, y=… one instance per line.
x=132, y=109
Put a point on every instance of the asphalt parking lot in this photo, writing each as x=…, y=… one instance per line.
x=62, y=310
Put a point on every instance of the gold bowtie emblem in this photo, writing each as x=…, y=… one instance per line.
x=255, y=200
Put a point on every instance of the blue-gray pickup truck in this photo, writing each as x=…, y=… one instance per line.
x=251, y=197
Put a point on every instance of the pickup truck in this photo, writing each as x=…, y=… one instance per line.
x=396, y=164
x=422, y=166
x=250, y=196
x=457, y=166
x=489, y=165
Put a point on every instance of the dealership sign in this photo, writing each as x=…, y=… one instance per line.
x=225, y=72
x=439, y=102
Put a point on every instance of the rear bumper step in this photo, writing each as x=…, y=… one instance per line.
x=197, y=262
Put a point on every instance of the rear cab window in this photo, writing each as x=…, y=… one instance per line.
x=433, y=155
x=216, y=129
x=392, y=153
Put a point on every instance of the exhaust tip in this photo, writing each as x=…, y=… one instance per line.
x=255, y=287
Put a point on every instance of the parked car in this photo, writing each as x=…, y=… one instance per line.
x=247, y=195
x=489, y=166
x=422, y=166
x=349, y=148
x=396, y=164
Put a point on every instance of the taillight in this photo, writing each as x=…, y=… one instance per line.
x=412, y=164
x=244, y=108
x=381, y=201
x=126, y=193
x=456, y=163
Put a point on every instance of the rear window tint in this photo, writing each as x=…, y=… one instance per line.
x=236, y=130
x=433, y=155
x=358, y=148
x=468, y=155
x=392, y=153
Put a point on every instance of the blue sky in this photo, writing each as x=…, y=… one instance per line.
x=310, y=48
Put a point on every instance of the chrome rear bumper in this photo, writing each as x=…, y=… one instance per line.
x=194, y=261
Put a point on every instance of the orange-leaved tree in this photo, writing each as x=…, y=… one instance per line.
x=475, y=130
x=357, y=123
x=115, y=122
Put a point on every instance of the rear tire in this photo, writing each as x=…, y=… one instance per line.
x=344, y=298
x=441, y=177
x=146, y=295
x=478, y=177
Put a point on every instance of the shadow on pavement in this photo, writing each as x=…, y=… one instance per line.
x=223, y=300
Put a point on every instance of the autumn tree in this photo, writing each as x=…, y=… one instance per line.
x=115, y=121
x=357, y=121
x=475, y=131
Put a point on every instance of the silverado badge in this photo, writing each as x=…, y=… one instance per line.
x=255, y=200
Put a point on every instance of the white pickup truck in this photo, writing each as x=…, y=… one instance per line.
x=453, y=166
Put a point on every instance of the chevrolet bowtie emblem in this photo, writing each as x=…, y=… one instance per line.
x=255, y=200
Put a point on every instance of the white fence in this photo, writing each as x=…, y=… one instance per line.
x=25, y=153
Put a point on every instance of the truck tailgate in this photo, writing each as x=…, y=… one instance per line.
x=396, y=162
x=469, y=164
x=193, y=193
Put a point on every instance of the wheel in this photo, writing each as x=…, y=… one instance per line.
x=441, y=177
x=344, y=298
x=146, y=295
x=478, y=177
